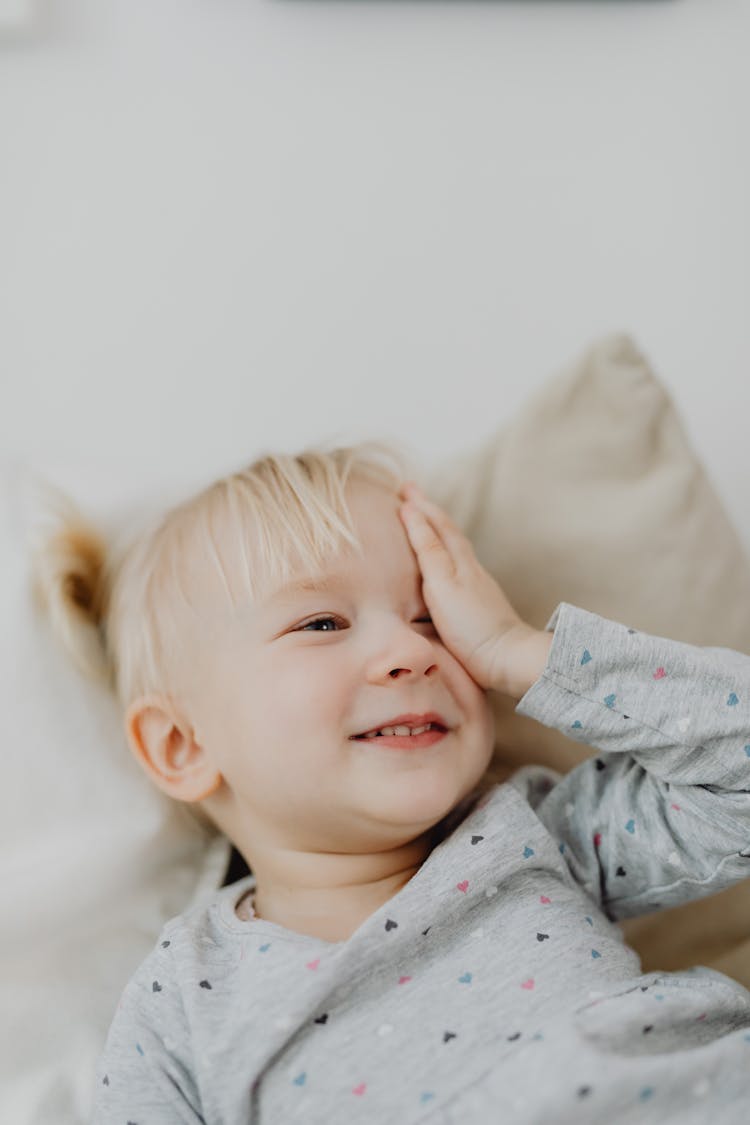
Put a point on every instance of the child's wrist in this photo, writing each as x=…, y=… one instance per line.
x=525, y=653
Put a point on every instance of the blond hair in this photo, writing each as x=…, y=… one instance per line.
x=118, y=615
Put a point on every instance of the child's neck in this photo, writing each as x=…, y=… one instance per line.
x=333, y=913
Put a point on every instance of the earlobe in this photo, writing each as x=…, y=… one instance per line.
x=165, y=748
x=211, y=789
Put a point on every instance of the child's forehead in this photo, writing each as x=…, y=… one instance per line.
x=322, y=582
x=235, y=570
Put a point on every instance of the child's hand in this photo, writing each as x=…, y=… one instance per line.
x=475, y=620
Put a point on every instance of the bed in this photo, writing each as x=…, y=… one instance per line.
x=591, y=495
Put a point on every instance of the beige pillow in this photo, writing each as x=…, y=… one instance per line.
x=594, y=496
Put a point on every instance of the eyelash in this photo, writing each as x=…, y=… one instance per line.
x=330, y=617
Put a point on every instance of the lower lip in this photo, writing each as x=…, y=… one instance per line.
x=405, y=741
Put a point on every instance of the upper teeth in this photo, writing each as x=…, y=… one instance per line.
x=401, y=730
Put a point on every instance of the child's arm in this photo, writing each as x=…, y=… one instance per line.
x=663, y=815
x=145, y=1072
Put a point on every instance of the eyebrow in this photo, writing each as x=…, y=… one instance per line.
x=320, y=585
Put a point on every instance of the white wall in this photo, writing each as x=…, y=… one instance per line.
x=230, y=225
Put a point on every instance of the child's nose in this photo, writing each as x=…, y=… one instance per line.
x=396, y=672
x=406, y=652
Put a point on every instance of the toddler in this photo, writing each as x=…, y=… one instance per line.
x=303, y=653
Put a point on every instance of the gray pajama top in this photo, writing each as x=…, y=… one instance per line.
x=495, y=986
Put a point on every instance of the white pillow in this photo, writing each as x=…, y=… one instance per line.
x=93, y=858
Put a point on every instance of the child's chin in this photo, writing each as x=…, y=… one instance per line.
x=423, y=798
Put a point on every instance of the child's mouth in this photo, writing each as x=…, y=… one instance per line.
x=405, y=741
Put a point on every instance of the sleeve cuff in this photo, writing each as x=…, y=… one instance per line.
x=572, y=629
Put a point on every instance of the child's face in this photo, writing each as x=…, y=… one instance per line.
x=275, y=701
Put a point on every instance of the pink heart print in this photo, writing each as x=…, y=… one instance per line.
x=528, y=983
x=464, y=886
x=659, y=674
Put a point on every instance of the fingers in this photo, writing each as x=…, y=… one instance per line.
x=434, y=560
x=453, y=538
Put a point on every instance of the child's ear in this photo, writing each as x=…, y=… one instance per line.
x=164, y=746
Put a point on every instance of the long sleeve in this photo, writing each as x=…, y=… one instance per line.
x=662, y=814
x=144, y=1074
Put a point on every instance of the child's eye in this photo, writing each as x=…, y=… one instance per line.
x=426, y=620
x=319, y=621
